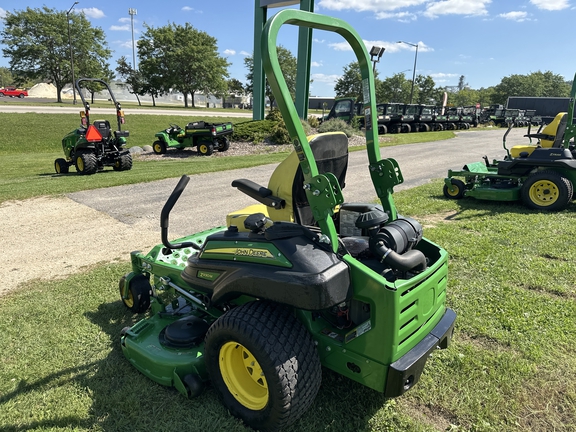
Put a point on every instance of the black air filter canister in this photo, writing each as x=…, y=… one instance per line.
x=401, y=235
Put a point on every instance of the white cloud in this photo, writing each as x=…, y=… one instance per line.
x=323, y=78
x=391, y=47
x=316, y=64
x=398, y=16
x=125, y=27
x=443, y=76
x=229, y=52
x=124, y=20
x=514, y=16
x=550, y=4
x=369, y=5
x=126, y=44
x=319, y=40
x=191, y=9
x=245, y=53
x=457, y=7
x=92, y=12
x=3, y=13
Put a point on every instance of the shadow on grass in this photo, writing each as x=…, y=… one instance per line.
x=127, y=400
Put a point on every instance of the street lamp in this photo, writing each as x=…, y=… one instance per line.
x=71, y=53
x=414, y=72
x=133, y=12
x=376, y=52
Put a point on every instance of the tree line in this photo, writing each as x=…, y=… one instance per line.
x=184, y=59
x=399, y=89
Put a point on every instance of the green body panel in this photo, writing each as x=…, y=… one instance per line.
x=158, y=362
x=400, y=316
x=249, y=252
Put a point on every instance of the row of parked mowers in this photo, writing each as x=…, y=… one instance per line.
x=94, y=145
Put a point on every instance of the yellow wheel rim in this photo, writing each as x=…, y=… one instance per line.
x=544, y=193
x=80, y=163
x=243, y=376
x=453, y=190
x=203, y=148
x=129, y=301
x=158, y=148
x=57, y=168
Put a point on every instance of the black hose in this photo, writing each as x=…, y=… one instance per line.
x=411, y=260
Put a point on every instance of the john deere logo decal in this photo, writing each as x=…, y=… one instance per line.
x=258, y=253
x=244, y=252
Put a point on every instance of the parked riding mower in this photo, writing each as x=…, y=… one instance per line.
x=542, y=175
x=205, y=136
x=93, y=146
x=300, y=280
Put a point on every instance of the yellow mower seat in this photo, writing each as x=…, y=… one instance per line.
x=330, y=151
x=551, y=136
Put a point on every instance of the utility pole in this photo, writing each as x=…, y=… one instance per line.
x=414, y=72
x=133, y=12
x=71, y=52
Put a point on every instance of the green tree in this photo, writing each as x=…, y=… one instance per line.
x=288, y=65
x=462, y=84
x=425, y=90
x=132, y=78
x=234, y=88
x=350, y=83
x=395, y=89
x=6, y=78
x=464, y=97
x=36, y=42
x=538, y=84
x=181, y=58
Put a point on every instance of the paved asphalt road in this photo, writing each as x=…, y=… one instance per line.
x=209, y=197
x=15, y=105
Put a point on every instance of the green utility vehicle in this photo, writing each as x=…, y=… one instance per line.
x=93, y=146
x=542, y=175
x=300, y=280
x=203, y=135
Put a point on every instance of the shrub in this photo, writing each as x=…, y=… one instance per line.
x=313, y=121
x=253, y=131
x=337, y=125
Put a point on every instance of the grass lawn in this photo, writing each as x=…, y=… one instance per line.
x=31, y=142
x=511, y=367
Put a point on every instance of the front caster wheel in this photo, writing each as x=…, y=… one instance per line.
x=137, y=298
x=456, y=190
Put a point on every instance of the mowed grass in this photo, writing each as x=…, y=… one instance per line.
x=32, y=142
x=511, y=367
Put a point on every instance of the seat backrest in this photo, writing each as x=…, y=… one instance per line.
x=555, y=129
x=330, y=151
x=103, y=127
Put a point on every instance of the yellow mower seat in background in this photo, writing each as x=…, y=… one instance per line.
x=330, y=151
x=551, y=136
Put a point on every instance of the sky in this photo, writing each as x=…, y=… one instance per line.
x=482, y=40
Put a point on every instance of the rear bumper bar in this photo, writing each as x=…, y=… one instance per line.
x=406, y=371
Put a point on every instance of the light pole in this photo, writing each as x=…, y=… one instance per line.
x=414, y=72
x=71, y=53
x=376, y=52
x=133, y=12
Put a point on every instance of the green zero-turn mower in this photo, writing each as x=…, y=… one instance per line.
x=542, y=175
x=203, y=135
x=298, y=281
x=94, y=146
